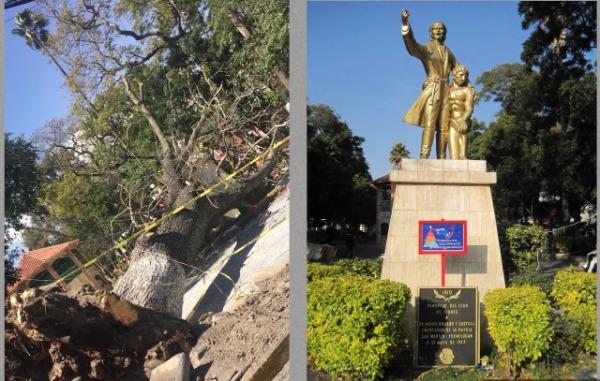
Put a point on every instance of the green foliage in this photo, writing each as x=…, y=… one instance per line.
x=575, y=294
x=211, y=97
x=317, y=271
x=32, y=27
x=519, y=322
x=561, y=34
x=398, y=152
x=582, y=321
x=339, y=185
x=452, y=374
x=364, y=267
x=268, y=45
x=534, y=278
x=526, y=243
x=77, y=207
x=543, y=140
x=573, y=288
x=564, y=348
x=354, y=324
x=21, y=180
x=10, y=266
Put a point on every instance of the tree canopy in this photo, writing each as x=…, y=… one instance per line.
x=21, y=184
x=544, y=137
x=169, y=99
x=398, y=152
x=339, y=183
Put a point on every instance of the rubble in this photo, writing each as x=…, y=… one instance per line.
x=99, y=337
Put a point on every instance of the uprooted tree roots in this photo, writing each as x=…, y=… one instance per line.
x=56, y=337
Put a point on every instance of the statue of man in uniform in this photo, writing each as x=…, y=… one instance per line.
x=430, y=110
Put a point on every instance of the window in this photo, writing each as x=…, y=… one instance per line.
x=41, y=279
x=65, y=266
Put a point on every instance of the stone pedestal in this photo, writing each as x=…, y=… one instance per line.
x=450, y=190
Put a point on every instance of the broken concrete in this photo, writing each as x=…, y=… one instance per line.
x=177, y=368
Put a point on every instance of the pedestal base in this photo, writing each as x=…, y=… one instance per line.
x=450, y=190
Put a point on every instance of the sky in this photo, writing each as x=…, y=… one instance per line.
x=33, y=90
x=358, y=65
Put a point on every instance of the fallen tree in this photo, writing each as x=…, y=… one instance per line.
x=174, y=100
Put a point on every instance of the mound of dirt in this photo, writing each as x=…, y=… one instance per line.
x=251, y=336
x=99, y=337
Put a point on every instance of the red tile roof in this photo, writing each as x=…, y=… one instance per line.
x=382, y=179
x=31, y=262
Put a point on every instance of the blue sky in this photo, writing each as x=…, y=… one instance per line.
x=33, y=90
x=358, y=65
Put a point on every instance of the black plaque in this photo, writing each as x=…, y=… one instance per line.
x=447, y=326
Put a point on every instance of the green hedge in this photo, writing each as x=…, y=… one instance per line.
x=519, y=322
x=317, y=270
x=575, y=293
x=525, y=243
x=573, y=288
x=364, y=267
x=354, y=326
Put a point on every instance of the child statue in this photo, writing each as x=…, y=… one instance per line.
x=461, y=96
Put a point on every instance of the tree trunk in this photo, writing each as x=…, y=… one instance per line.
x=155, y=279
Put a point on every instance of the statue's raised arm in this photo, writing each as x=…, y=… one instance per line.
x=414, y=49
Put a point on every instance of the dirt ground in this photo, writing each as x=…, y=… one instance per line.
x=52, y=336
x=57, y=337
x=236, y=342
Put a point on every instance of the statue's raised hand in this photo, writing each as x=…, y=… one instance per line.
x=404, y=15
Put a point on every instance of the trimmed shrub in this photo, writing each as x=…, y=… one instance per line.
x=572, y=288
x=564, y=348
x=582, y=320
x=354, y=324
x=575, y=294
x=363, y=267
x=519, y=322
x=525, y=244
x=317, y=270
x=448, y=373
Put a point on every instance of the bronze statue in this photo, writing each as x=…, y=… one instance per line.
x=430, y=109
x=461, y=96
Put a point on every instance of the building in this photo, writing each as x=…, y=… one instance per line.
x=44, y=266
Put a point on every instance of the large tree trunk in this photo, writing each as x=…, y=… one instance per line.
x=155, y=278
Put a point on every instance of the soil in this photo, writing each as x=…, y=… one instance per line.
x=239, y=340
x=52, y=336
